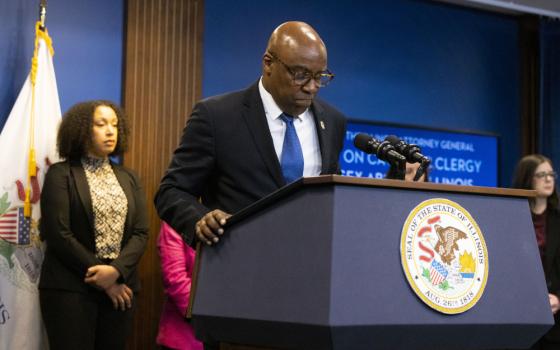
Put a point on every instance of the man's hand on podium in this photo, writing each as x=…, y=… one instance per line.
x=554, y=303
x=210, y=226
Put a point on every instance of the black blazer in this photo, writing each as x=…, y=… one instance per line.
x=226, y=158
x=67, y=226
x=552, y=267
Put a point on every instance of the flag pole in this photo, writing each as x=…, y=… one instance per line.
x=42, y=13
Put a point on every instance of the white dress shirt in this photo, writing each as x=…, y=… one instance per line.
x=305, y=129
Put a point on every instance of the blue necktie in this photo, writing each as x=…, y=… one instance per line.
x=291, y=161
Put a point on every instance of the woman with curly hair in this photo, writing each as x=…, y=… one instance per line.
x=535, y=172
x=94, y=221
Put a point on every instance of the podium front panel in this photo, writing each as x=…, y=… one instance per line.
x=321, y=269
x=514, y=302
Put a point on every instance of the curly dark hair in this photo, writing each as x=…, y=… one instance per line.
x=524, y=173
x=75, y=132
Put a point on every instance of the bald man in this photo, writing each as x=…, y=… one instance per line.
x=239, y=147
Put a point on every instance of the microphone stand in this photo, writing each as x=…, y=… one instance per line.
x=400, y=167
x=422, y=169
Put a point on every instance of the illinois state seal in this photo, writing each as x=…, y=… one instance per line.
x=444, y=256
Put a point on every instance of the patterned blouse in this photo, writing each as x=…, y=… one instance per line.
x=109, y=204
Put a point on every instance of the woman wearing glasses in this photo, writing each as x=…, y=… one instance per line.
x=535, y=172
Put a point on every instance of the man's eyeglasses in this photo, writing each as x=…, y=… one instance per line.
x=301, y=77
x=543, y=174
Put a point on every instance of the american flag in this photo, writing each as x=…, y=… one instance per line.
x=15, y=227
x=438, y=273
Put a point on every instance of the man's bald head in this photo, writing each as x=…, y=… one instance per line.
x=293, y=47
x=294, y=36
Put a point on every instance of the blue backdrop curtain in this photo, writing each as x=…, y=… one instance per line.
x=549, y=121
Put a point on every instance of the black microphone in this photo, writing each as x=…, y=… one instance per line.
x=410, y=151
x=383, y=150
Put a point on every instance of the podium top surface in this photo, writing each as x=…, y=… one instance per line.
x=373, y=183
x=421, y=186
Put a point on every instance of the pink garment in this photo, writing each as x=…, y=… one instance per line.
x=177, y=262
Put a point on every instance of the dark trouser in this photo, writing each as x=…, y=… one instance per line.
x=211, y=346
x=551, y=340
x=545, y=345
x=84, y=321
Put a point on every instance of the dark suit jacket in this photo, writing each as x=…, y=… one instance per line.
x=67, y=226
x=552, y=268
x=226, y=158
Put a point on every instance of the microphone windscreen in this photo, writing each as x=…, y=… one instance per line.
x=393, y=140
x=362, y=142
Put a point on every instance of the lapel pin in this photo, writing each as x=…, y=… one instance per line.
x=322, y=124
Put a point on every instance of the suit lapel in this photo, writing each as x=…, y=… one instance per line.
x=255, y=118
x=124, y=181
x=83, y=189
x=322, y=133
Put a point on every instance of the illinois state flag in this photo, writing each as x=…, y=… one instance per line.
x=28, y=146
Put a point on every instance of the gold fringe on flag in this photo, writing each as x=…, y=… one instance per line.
x=32, y=164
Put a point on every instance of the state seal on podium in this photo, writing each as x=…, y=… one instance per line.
x=444, y=256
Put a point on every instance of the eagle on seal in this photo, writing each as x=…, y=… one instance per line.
x=447, y=243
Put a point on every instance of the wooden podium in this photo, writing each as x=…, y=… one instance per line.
x=317, y=265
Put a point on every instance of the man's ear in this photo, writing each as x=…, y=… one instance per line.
x=267, y=63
